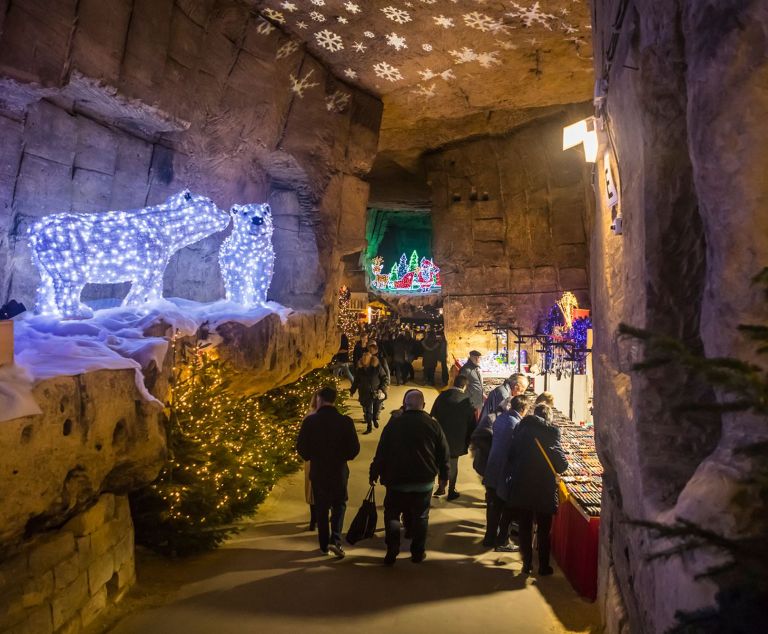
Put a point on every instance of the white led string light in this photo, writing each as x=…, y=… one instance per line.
x=246, y=257
x=71, y=250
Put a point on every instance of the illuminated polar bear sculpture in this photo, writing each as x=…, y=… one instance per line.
x=74, y=249
x=246, y=257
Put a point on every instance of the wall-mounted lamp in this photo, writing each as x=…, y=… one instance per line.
x=585, y=132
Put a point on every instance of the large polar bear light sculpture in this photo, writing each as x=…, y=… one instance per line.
x=73, y=249
x=246, y=257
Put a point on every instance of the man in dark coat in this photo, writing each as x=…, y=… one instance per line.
x=431, y=349
x=456, y=417
x=412, y=450
x=532, y=489
x=327, y=439
x=471, y=369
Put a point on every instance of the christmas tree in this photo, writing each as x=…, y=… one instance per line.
x=225, y=454
x=394, y=274
x=347, y=321
x=413, y=264
x=402, y=267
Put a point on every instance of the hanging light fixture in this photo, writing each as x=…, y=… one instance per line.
x=584, y=132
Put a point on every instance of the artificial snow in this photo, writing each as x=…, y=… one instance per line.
x=113, y=339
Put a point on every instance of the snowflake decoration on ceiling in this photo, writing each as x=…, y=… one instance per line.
x=329, y=40
x=480, y=21
x=338, y=101
x=289, y=6
x=401, y=16
x=351, y=73
x=463, y=56
x=441, y=20
x=291, y=46
x=275, y=15
x=428, y=1
x=318, y=3
x=428, y=74
x=359, y=47
x=341, y=19
x=386, y=71
x=487, y=60
x=352, y=7
x=265, y=28
x=532, y=15
x=317, y=16
x=425, y=91
x=302, y=25
x=369, y=34
x=426, y=47
x=396, y=41
x=298, y=86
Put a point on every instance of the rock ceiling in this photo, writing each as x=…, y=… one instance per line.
x=446, y=59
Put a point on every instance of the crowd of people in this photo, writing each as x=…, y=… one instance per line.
x=514, y=443
x=385, y=353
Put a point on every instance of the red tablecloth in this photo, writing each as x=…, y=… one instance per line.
x=574, y=545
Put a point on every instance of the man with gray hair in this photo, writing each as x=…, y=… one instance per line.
x=412, y=451
x=515, y=385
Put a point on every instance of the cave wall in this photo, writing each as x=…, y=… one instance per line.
x=113, y=105
x=63, y=581
x=686, y=107
x=117, y=104
x=510, y=222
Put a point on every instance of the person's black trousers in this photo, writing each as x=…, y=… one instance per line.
x=453, y=473
x=329, y=531
x=429, y=374
x=444, y=371
x=525, y=520
x=498, y=518
x=414, y=507
x=371, y=411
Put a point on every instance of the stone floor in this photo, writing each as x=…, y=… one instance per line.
x=272, y=578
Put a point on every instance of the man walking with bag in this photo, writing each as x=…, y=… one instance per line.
x=412, y=451
x=327, y=439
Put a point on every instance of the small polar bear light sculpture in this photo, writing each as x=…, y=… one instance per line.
x=246, y=257
x=73, y=249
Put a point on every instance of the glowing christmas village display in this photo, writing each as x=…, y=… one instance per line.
x=406, y=276
x=71, y=250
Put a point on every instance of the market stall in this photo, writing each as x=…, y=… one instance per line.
x=576, y=527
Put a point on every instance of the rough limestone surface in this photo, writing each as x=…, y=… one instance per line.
x=687, y=101
x=62, y=581
x=443, y=68
x=96, y=434
x=510, y=223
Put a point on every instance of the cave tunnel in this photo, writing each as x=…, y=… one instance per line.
x=549, y=217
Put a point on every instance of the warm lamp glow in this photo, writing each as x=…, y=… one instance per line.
x=584, y=132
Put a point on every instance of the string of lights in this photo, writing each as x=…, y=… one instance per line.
x=225, y=452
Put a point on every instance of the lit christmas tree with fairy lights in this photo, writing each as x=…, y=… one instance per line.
x=225, y=454
x=347, y=320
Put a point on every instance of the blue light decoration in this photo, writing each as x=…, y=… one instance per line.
x=406, y=276
x=247, y=257
x=565, y=323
